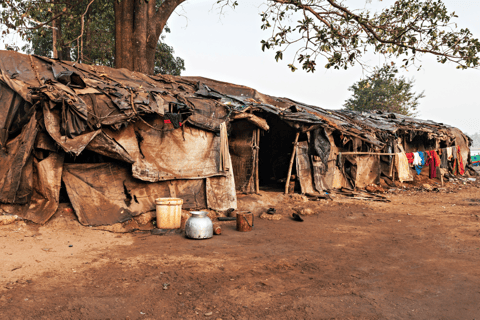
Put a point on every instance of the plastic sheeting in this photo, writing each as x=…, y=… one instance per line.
x=105, y=193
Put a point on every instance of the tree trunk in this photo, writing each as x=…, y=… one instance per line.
x=138, y=26
x=56, y=34
x=140, y=36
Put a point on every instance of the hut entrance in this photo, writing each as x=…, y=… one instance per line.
x=261, y=159
x=276, y=148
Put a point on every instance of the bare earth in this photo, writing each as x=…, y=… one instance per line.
x=417, y=257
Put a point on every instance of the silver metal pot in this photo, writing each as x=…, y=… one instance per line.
x=199, y=226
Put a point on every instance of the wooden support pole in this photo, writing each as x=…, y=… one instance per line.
x=291, y=162
x=257, y=150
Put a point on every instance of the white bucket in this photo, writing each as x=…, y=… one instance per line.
x=169, y=213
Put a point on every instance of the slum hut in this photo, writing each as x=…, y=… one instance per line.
x=111, y=141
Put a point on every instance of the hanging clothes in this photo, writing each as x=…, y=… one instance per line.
x=461, y=168
x=402, y=167
x=434, y=162
x=449, y=153
x=419, y=166
x=416, y=159
x=410, y=157
x=444, y=158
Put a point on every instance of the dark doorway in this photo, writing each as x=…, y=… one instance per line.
x=276, y=148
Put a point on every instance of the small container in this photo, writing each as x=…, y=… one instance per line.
x=244, y=221
x=199, y=226
x=217, y=229
x=169, y=213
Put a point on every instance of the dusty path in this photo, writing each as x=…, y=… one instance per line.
x=417, y=257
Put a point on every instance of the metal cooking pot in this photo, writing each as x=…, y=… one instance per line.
x=199, y=226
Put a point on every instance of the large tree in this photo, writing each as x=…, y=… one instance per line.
x=97, y=44
x=329, y=28
x=385, y=91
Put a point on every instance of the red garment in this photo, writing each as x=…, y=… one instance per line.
x=434, y=162
x=437, y=158
x=461, y=168
x=409, y=157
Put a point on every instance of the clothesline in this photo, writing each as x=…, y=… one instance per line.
x=384, y=154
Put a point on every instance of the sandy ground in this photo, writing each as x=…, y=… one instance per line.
x=417, y=257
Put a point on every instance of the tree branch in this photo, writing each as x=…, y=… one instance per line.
x=41, y=24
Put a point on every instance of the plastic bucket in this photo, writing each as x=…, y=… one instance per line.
x=169, y=213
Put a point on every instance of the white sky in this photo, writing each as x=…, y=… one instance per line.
x=228, y=49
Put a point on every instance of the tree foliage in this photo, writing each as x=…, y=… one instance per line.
x=383, y=90
x=331, y=29
x=341, y=34
x=166, y=62
x=98, y=36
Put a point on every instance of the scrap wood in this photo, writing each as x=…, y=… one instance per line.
x=317, y=196
x=360, y=195
x=372, y=199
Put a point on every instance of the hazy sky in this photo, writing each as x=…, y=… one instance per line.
x=227, y=48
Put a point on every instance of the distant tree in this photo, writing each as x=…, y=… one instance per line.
x=384, y=91
x=166, y=62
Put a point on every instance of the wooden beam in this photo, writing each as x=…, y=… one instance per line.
x=257, y=150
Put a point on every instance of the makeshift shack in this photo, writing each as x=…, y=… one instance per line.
x=113, y=141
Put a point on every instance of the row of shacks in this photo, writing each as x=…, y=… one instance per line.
x=111, y=141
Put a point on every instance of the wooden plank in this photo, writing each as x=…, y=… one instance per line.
x=287, y=183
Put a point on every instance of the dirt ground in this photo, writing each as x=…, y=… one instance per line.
x=416, y=257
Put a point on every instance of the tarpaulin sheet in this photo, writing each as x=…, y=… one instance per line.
x=9, y=104
x=241, y=153
x=18, y=152
x=304, y=169
x=368, y=170
x=72, y=145
x=106, y=193
x=47, y=180
x=184, y=153
x=221, y=193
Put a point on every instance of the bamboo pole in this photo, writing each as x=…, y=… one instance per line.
x=291, y=162
x=252, y=180
x=368, y=153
